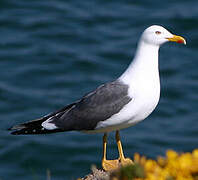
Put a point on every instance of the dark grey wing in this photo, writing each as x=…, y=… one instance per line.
x=97, y=106
x=35, y=126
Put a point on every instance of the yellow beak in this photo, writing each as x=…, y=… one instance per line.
x=177, y=39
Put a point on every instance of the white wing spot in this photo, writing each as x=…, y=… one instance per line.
x=48, y=125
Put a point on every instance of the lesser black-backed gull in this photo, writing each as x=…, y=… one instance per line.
x=114, y=105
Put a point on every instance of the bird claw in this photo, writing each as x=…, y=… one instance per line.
x=125, y=161
x=110, y=165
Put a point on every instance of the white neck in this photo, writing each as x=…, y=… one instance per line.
x=144, y=65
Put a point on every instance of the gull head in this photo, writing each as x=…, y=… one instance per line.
x=158, y=35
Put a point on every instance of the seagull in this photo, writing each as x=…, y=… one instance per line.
x=114, y=105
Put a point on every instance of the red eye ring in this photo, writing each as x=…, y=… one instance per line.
x=157, y=32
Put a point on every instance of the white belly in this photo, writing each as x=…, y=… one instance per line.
x=140, y=107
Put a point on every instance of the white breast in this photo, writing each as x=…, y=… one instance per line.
x=144, y=100
x=142, y=77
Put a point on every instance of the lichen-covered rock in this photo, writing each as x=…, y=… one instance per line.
x=97, y=174
x=182, y=166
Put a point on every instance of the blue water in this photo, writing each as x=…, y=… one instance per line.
x=53, y=52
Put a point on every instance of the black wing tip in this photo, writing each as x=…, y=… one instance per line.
x=30, y=131
x=23, y=131
x=17, y=127
x=14, y=133
x=15, y=130
x=19, y=132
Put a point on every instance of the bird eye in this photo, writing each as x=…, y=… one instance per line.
x=157, y=32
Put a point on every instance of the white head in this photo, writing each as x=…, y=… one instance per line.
x=157, y=35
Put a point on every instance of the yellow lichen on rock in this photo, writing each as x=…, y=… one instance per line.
x=175, y=166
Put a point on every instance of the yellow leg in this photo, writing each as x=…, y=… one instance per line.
x=123, y=161
x=108, y=165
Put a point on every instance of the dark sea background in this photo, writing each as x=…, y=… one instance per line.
x=53, y=52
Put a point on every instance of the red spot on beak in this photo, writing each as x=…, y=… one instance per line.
x=180, y=41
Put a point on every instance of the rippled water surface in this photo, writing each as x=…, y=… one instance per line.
x=53, y=52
